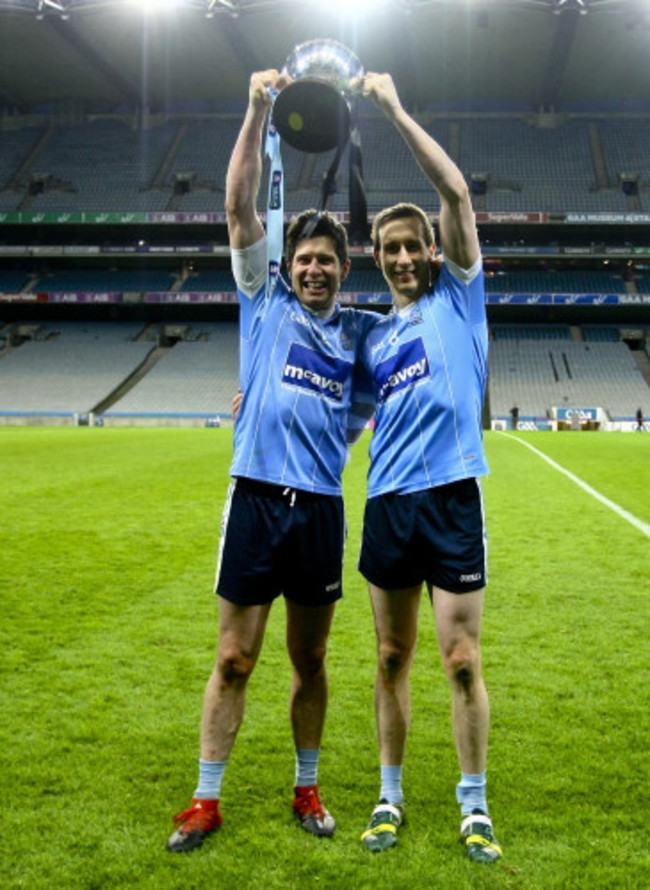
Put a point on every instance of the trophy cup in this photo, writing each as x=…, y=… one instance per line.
x=312, y=113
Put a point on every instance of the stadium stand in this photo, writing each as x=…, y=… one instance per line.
x=12, y=280
x=219, y=280
x=530, y=332
x=105, y=280
x=196, y=378
x=625, y=147
x=364, y=280
x=68, y=367
x=198, y=168
x=643, y=283
x=105, y=165
x=538, y=375
x=100, y=166
x=71, y=368
x=557, y=281
x=601, y=333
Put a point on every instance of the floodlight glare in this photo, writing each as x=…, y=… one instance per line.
x=157, y=5
x=211, y=5
x=358, y=8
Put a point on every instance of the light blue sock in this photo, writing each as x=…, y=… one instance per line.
x=210, y=776
x=306, y=766
x=391, y=784
x=470, y=793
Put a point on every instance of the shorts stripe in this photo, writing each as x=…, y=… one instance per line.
x=225, y=516
x=485, y=536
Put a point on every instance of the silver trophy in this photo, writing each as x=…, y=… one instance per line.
x=312, y=113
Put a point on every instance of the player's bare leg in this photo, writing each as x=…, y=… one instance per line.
x=458, y=623
x=396, y=626
x=308, y=629
x=241, y=633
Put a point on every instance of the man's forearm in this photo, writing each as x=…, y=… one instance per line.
x=433, y=160
x=245, y=168
x=457, y=225
x=244, y=174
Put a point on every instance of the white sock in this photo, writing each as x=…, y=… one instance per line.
x=306, y=766
x=210, y=776
x=391, y=784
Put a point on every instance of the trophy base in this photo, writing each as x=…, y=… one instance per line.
x=311, y=116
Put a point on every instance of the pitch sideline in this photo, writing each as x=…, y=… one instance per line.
x=624, y=514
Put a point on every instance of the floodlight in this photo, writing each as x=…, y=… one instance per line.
x=564, y=5
x=60, y=6
x=212, y=4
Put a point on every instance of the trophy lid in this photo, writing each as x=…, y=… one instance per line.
x=326, y=60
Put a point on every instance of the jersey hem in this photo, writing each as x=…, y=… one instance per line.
x=287, y=483
x=374, y=492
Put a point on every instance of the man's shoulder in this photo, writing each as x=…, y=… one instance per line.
x=450, y=272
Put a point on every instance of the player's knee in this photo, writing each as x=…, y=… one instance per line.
x=462, y=663
x=235, y=666
x=309, y=662
x=392, y=661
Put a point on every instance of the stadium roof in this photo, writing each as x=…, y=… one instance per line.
x=110, y=55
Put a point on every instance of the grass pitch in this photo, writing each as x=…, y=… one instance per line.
x=109, y=540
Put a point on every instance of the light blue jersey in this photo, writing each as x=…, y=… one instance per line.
x=297, y=372
x=429, y=368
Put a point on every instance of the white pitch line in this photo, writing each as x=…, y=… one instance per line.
x=624, y=514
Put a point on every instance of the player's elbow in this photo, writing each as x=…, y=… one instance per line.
x=234, y=205
x=456, y=193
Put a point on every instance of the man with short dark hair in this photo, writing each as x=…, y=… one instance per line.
x=424, y=521
x=283, y=525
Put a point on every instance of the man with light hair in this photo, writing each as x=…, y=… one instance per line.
x=424, y=523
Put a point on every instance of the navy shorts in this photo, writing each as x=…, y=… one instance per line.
x=280, y=540
x=435, y=536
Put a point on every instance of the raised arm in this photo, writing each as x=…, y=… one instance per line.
x=245, y=168
x=457, y=226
